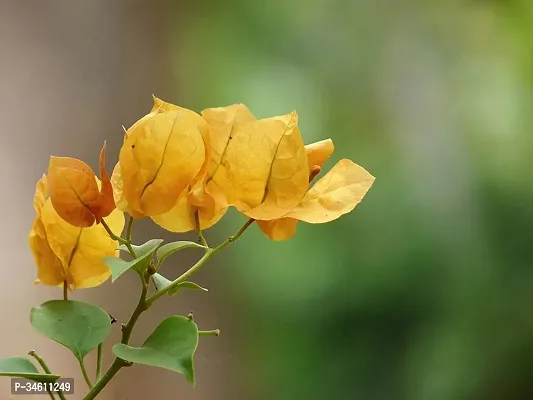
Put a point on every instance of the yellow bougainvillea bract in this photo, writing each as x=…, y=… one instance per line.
x=161, y=156
x=263, y=171
x=184, y=169
x=64, y=252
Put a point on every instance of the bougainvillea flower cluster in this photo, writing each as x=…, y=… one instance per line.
x=184, y=170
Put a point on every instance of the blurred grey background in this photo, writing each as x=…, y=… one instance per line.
x=422, y=293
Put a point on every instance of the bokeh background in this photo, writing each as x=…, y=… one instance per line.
x=424, y=292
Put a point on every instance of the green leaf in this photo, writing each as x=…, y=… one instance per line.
x=144, y=255
x=142, y=249
x=161, y=282
x=77, y=325
x=20, y=367
x=170, y=346
x=170, y=248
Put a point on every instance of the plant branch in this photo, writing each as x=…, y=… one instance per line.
x=118, y=238
x=141, y=307
x=199, y=264
x=99, y=362
x=46, y=370
x=85, y=375
x=128, y=229
x=145, y=303
x=65, y=290
x=41, y=361
x=126, y=334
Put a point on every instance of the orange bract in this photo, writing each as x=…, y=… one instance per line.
x=75, y=193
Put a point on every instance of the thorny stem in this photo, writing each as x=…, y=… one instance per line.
x=47, y=370
x=199, y=264
x=145, y=303
x=85, y=375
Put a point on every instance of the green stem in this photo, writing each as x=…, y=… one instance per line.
x=203, y=242
x=99, y=362
x=128, y=229
x=126, y=334
x=141, y=307
x=118, y=238
x=145, y=303
x=41, y=362
x=111, y=372
x=47, y=370
x=199, y=264
x=65, y=290
x=111, y=234
x=85, y=375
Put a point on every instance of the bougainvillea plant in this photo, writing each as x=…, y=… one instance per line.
x=183, y=170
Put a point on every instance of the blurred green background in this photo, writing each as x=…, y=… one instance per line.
x=422, y=293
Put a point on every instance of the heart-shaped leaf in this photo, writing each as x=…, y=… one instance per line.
x=20, y=367
x=161, y=282
x=77, y=325
x=170, y=248
x=144, y=255
x=170, y=346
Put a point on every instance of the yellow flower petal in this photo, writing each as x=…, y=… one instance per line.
x=80, y=250
x=264, y=171
x=210, y=202
x=118, y=192
x=161, y=106
x=204, y=195
x=337, y=193
x=41, y=194
x=319, y=152
x=224, y=122
x=181, y=217
x=279, y=229
x=49, y=268
x=161, y=156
